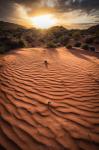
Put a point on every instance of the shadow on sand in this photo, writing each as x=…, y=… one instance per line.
x=52, y=52
x=83, y=54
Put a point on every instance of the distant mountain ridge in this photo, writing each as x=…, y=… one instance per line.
x=94, y=29
x=9, y=26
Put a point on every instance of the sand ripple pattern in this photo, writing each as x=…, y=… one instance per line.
x=49, y=108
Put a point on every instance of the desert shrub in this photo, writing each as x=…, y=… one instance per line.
x=29, y=39
x=57, y=35
x=69, y=46
x=96, y=42
x=3, y=46
x=97, y=34
x=89, y=40
x=63, y=40
x=14, y=44
x=21, y=43
x=76, y=35
x=51, y=45
x=2, y=49
x=92, y=48
x=7, y=44
x=85, y=47
x=78, y=44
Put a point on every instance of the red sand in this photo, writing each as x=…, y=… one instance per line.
x=53, y=107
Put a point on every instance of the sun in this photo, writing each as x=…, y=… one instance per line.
x=44, y=21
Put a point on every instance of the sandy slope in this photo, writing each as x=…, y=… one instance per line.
x=54, y=107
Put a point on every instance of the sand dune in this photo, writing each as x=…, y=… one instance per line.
x=49, y=107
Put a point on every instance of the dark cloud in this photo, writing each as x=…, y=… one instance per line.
x=84, y=5
x=59, y=4
x=5, y=8
x=89, y=4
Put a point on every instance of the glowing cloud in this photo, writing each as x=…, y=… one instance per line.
x=44, y=21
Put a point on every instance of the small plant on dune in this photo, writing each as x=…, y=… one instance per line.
x=49, y=103
x=85, y=47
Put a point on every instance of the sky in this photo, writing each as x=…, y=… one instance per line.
x=69, y=13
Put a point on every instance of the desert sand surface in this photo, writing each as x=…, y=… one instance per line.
x=49, y=106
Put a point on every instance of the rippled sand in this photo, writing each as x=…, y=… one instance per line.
x=49, y=107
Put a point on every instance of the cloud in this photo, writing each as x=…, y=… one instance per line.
x=10, y=9
x=60, y=5
x=89, y=4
